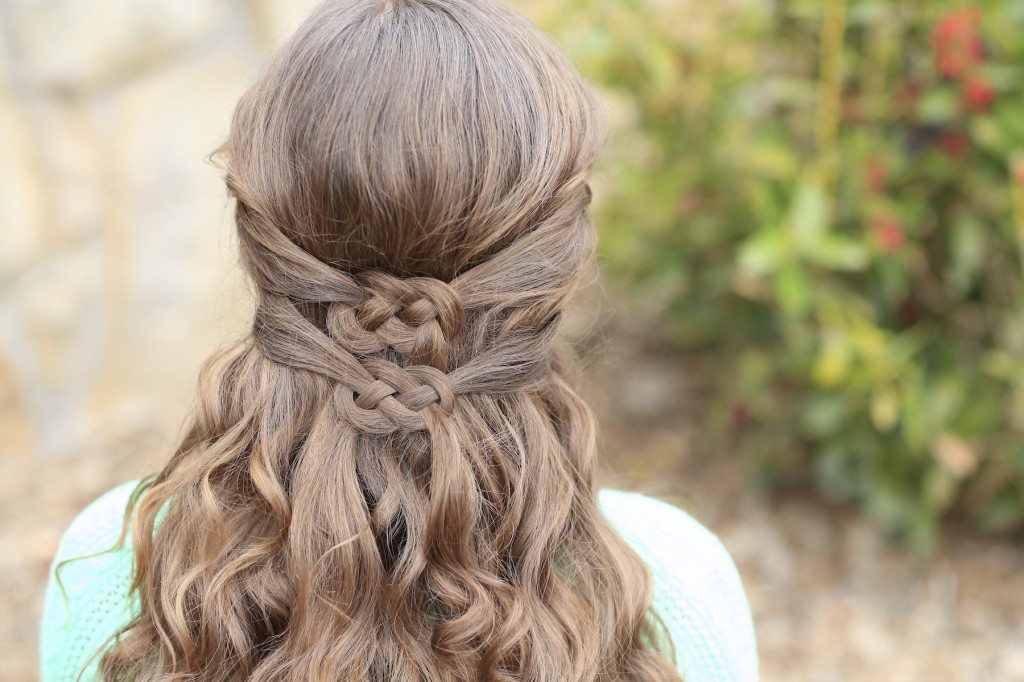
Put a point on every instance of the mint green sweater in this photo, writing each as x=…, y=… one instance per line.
x=697, y=590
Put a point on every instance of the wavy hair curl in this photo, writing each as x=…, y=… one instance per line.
x=391, y=477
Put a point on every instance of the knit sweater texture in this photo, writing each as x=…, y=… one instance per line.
x=697, y=590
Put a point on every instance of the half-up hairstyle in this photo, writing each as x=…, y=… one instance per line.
x=391, y=478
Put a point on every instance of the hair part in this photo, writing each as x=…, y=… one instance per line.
x=391, y=476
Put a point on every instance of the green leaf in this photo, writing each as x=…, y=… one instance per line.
x=914, y=422
x=808, y=214
x=793, y=290
x=1004, y=76
x=837, y=252
x=986, y=133
x=1002, y=513
x=1010, y=121
x=945, y=401
x=771, y=159
x=967, y=252
x=939, y=489
x=885, y=409
x=832, y=364
x=764, y=252
x=940, y=105
x=823, y=414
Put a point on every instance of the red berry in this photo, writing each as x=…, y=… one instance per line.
x=956, y=42
x=978, y=93
x=951, y=64
x=975, y=49
x=889, y=232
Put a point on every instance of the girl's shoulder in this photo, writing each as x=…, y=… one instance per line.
x=643, y=517
x=697, y=589
x=98, y=525
x=86, y=598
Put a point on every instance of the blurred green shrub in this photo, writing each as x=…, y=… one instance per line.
x=827, y=197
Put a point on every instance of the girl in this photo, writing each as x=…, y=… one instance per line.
x=390, y=477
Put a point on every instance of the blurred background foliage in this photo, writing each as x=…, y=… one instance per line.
x=824, y=199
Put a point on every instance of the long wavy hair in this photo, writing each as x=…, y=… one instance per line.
x=391, y=477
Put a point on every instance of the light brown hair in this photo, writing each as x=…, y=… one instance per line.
x=391, y=477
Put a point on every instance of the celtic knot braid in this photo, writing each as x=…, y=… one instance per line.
x=374, y=393
x=416, y=317
x=388, y=345
x=396, y=397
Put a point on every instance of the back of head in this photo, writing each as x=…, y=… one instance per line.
x=391, y=476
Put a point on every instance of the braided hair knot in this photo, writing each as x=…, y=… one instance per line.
x=416, y=316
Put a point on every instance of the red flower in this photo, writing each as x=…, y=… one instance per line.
x=978, y=93
x=954, y=144
x=956, y=42
x=889, y=233
x=975, y=49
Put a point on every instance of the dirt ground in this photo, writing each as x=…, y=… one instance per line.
x=831, y=599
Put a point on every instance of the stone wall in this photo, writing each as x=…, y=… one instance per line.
x=117, y=258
